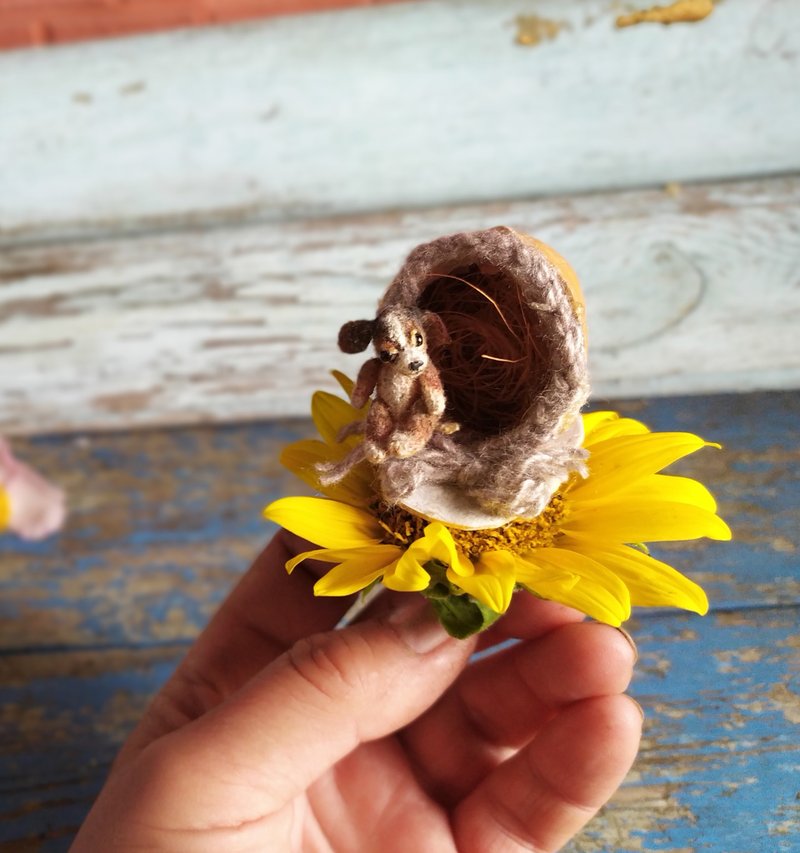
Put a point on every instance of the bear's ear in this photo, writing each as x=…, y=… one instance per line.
x=435, y=331
x=356, y=335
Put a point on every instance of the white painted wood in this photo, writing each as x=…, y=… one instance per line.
x=694, y=293
x=401, y=106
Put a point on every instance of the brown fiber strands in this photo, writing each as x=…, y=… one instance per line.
x=492, y=364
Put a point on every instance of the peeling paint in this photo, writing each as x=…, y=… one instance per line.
x=787, y=701
x=783, y=544
x=164, y=521
x=682, y=11
x=730, y=659
x=533, y=30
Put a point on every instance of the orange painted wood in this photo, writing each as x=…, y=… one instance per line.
x=25, y=23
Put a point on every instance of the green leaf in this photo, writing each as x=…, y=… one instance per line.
x=438, y=590
x=461, y=615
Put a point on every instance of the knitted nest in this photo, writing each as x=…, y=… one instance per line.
x=514, y=374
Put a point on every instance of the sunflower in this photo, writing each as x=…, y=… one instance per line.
x=584, y=550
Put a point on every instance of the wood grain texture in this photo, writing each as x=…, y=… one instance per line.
x=720, y=756
x=694, y=292
x=161, y=525
x=406, y=105
x=164, y=521
x=63, y=717
x=40, y=22
x=717, y=772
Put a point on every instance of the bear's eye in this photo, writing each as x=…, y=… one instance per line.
x=417, y=339
x=385, y=355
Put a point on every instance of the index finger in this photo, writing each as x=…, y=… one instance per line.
x=263, y=616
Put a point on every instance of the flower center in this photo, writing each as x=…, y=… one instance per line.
x=518, y=537
x=402, y=527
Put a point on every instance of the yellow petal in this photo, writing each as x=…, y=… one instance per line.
x=651, y=582
x=352, y=575
x=292, y=564
x=438, y=544
x=492, y=582
x=640, y=519
x=597, y=592
x=327, y=523
x=530, y=573
x=5, y=509
x=587, y=596
x=344, y=381
x=662, y=487
x=338, y=555
x=407, y=575
x=330, y=414
x=618, y=462
x=301, y=457
x=593, y=420
x=614, y=429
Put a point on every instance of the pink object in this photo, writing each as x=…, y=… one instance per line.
x=37, y=508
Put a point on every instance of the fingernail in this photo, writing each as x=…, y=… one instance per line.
x=417, y=626
x=630, y=642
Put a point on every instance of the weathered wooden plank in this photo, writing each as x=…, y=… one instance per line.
x=720, y=758
x=40, y=22
x=160, y=527
x=717, y=772
x=62, y=719
x=693, y=292
x=406, y=105
x=163, y=523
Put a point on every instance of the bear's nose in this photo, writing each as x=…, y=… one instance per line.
x=414, y=365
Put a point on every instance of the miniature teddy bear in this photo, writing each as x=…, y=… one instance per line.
x=409, y=401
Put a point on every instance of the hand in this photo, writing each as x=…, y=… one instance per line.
x=279, y=734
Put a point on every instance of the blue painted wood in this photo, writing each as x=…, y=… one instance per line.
x=163, y=522
x=68, y=715
x=161, y=525
x=720, y=760
x=718, y=769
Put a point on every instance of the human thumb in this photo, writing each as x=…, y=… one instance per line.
x=317, y=702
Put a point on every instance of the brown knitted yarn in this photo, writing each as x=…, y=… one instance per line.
x=514, y=375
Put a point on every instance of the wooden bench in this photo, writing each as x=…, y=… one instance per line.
x=186, y=218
